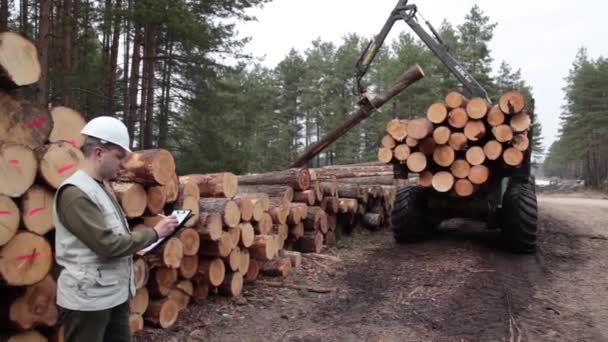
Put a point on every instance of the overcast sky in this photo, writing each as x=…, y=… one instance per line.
x=540, y=37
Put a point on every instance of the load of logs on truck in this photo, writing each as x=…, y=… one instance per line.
x=243, y=225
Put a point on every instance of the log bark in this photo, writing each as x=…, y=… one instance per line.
x=161, y=281
x=492, y=149
x=397, y=129
x=437, y=112
x=444, y=155
x=187, y=188
x=349, y=190
x=427, y=146
x=460, y=168
x=477, y=108
x=316, y=220
x=306, y=196
x=329, y=188
x=330, y=205
x=222, y=184
x=511, y=102
x=479, y=174
x=416, y=162
x=149, y=167
x=455, y=99
x=201, y=288
x=132, y=198
x=9, y=219
x=67, y=124
x=213, y=270
x=443, y=181
x=18, y=167
x=425, y=178
x=311, y=242
x=295, y=215
x=297, y=178
x=463, y=188
x=161, y=313
x=19, y=65
x=279, y=267
x=209, y=226
x=475, y=155
x=219, y=248
x=189, y=267
x=262, y=197
x=441, y=135
x=474, y=130
x=22, y=122
x=419, y=128
x=57, y=162
x=458, y=141
x=458, y=117
x=36, y=306
x=252, y=271
x=25, y=260
x=283, y=191
x=366, y=107
x=232, y=285
x=231, y=215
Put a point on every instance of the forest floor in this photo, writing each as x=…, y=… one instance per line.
x=460, y=286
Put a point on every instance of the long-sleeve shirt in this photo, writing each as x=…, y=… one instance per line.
x=84, y=219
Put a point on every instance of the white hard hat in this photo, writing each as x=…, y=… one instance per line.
x=108, y=129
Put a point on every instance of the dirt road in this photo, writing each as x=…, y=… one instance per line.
x=458, y=287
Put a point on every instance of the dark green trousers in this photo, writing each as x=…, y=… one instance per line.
x=110, y=325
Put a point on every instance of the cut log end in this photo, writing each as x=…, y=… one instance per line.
x=26, y=259
x=397, y=129
x=9, y=219
x=17, y=163
x=513, y=156
x=58, y=161
x=401, y=152
x=458, y=118
x=444, y=155
x=463, y=188
x=477, y=108
x=162, y=313
x=479, y=174
x=503, y=133
x=512, y=102
x=437, y=113
x=441, y=135
x=443, y=181
x=425, y=179
x=492, y=149
x=19, y=60
x=458, y=141
x=474, y=130
x=385, y=154
x=416, y=162
x=475, y=155
x=455, y=99
x=67, y=124
x=460, y=168
x=419, y=128
x=496, y=116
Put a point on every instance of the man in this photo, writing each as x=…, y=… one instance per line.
x=93, y=242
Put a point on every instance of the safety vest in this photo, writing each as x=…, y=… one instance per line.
x=88, y=281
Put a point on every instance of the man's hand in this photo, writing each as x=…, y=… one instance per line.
x=166, y=226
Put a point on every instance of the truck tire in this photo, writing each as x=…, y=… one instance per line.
x=409, y=219
x=519, y=217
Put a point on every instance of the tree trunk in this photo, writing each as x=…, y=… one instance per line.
x=229, y=210
x=161, y=281
x=22, y=122
x=213, y=270
x=25, y=260
x=162, y=313
x=298, y=178
x=37, y=209
x=134, y=81
x=479, y=174
x=111, y=86
x=18, y=169
x=67, y=17
x=4, y=15
x=437, y=113
x=58, y=161
x=149, y=167
x=222, y=184
x=150, y=59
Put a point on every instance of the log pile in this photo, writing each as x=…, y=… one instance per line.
x=242, y=226
x=461, y=142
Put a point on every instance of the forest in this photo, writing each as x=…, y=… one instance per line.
x=176, y=73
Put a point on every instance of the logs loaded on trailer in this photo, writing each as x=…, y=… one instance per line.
x=461, y=142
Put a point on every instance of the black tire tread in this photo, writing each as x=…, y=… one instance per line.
x=408, y=218
x=519, y=217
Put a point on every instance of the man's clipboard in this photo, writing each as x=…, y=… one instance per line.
x=182, y=216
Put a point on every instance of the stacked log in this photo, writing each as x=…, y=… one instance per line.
x=460, y=143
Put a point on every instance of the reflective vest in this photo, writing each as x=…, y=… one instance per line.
x=88, y=281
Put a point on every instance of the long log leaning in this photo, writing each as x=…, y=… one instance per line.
x=297, y=178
